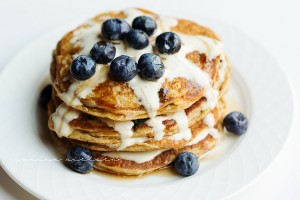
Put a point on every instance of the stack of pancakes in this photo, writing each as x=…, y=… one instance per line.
x=127, y=134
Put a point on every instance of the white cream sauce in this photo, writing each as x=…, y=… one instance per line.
x=138, y=157
x=201, y=136
x=147, y=91
x=182, y=122
x=209, y=120
x=124, y=128
x=157, y=126
x=176, y=65
x=61, y=119
x=64, y=114
x=183, y=125
x=81, y=89
x=211, y=96
x=86, y=38
x=125, y=131
x=141, y=157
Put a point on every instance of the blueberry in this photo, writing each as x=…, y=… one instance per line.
x=123, y=68
x=236, y=122
x=144, y=23
x=186, y=164
x=45, y=96
x=83, y=68
x=80, y=160
x=115, y=29
x=150, y=67
x=168, y=43
x=138, y=122
x=103, y=52
x=137, y=39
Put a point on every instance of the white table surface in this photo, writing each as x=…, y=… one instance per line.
x=273, y=23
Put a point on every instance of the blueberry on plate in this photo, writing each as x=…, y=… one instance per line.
x=150, y=67
x=115, y=29
x=236, y=123
x=186, y=163
x=103, y=52
x=144, y=23
x=45, y=96
x=123, y=68
x=137, y=39
x=80, y=160
x=83, y=68
x=168, y=43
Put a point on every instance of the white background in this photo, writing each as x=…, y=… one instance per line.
x=273, y=23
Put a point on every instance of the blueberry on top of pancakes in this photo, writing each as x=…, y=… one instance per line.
x=144, y=23
x=123, y=68
x=137, y=39
x=83, y=68
x=168, y=43
x=115, y=29
x=150, y=67
x=103, y=52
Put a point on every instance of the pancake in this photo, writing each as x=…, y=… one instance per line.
x=125, y=167
x=204, y=140
x=94, y=133
x=91, y=132
x=128, y=167
x=182, y=85
x=139, y=126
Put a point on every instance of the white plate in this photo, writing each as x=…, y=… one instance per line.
x=259, y=88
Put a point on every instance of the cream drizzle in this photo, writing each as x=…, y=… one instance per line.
x=138, y=157
x=124, y=128
x=176, y=65
x=61, y=118
x=183, y=125
x=125, y=131
x=86, y=37
x=81, y=89
x=181, y=119
x=147, y=91
x=209, y=120
x=65, y=114
x=201, y=136
x=157, y=126
x=141, y=157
